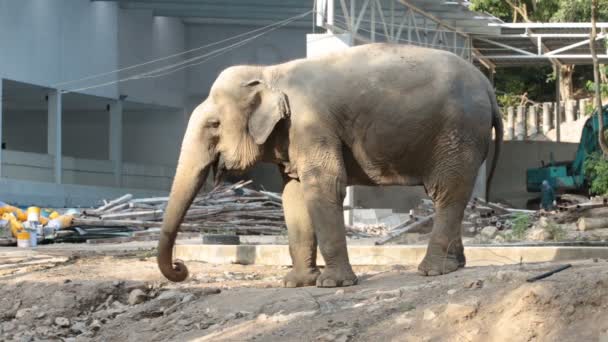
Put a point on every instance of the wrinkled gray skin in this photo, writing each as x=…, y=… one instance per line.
x=376, y=114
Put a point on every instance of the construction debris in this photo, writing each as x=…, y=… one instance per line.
x=487, y=222
x=230, y=208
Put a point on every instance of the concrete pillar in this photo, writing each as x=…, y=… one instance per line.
x=532, y=121
x=520, y=130
x=481, y=182
x=1, y=139
x=54, y=131
x=582, y=107
x=115, y=139
x=570, y=114
x=558, y=109
x=349, y=206
x=510, y=123
x=547, y=122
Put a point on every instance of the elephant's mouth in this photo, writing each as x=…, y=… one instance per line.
x=219, y=170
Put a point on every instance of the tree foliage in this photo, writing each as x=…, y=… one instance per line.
x=539, y=82
x=542, y=10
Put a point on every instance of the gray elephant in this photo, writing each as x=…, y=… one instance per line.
x=377, y=114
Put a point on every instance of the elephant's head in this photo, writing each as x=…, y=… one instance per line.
x=226, y=132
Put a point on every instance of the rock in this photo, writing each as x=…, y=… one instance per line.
x=452, y=291
x=404, y=321
x=95, y=325
x=489, y=232
x=184, y=322
x=459, y=312
x=188, y=298
x=137, y=296
x=339, y=292
x=40, y=315
x=475, y=284
x=339, y=335
x=43, y=330
x=78, y=327
x=171, y=294
x=499, y=239
x=539, y=234
x=62, y=322
x=542, y=222
x=22, y=313
x=8, y=326
x=428, y=315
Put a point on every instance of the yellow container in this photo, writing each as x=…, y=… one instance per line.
x=23, y=239
x=33, y=214
x=19, y=214
x=43, y=220
x=54, y=215
x=16, y=226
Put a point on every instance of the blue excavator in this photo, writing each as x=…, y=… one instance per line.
x=568, y=176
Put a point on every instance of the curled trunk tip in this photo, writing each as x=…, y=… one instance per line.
x=174, y=270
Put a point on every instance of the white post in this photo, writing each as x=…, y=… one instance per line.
x=582, y=106
x=532, y=120
x=349, y=206
x=480, y=187
x=115, y=139
x=54, y=131
x=520, y=131
x=510, y=123
x=330, y=14
x=570, y=114
x=1, y=102
x=547, y=122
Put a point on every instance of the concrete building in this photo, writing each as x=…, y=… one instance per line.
x=96, y=93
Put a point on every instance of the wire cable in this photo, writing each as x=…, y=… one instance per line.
x=205, y=57
x=178, y=54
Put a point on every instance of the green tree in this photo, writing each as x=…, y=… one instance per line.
x=543, y=11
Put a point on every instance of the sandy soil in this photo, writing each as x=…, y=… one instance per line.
x=60, y=297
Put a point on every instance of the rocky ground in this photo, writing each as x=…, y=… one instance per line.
x=122, y=297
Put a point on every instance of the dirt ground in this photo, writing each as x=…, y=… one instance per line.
x=120, y=296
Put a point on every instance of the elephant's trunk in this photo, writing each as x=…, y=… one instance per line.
x=192, y=170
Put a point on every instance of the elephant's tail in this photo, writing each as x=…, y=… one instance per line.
x=498, y=132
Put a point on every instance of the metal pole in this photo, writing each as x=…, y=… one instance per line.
x=1, y=102
x=558, y=107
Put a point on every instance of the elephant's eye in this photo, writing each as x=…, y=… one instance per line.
x=213, y=123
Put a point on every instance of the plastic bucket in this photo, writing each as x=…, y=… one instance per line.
x=23, y=239
x=33, y=214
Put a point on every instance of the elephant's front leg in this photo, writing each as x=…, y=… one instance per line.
x=302, y=241
x=324, y=192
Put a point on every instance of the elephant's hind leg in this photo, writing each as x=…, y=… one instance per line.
x=302, y=241
x=450, y=191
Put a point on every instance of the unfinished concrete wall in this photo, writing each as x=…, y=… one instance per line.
x=515, y=158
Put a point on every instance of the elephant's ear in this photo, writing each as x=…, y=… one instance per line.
x=268, y=106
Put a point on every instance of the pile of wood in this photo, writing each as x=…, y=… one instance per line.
x=478, y=214
x=227, y=208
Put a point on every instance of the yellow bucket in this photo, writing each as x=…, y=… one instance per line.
x=33, y=214
x=53, y=215
x=23, y=239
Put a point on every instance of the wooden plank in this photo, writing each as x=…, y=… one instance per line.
x=392, y=235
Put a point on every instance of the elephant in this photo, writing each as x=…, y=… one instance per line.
x=376, y=114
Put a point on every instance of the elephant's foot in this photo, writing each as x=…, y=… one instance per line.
x=437, y=261
x=336, y=277
x=299, y=278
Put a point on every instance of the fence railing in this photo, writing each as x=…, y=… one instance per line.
x=526, y=121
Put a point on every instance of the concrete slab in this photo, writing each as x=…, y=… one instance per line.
x=385, y=255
